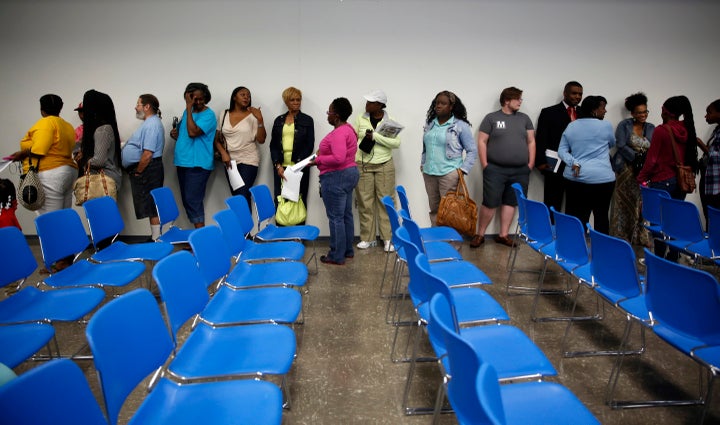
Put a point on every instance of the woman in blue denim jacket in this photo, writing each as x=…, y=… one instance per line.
x=447, y=134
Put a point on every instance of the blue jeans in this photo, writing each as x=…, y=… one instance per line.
x=670, y=186
x=336, y=191
x=192, y=183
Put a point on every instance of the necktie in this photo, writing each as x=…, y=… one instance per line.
x=571, y=113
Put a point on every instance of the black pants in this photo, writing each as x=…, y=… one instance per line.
x=586, y=198
x=554, y=189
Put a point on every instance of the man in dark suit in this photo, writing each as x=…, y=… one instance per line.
x=552, y=122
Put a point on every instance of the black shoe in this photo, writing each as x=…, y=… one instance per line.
x=326, y=260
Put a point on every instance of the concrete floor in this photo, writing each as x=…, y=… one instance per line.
x=343, y=373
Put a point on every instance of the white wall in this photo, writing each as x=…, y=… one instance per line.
x=329, y=48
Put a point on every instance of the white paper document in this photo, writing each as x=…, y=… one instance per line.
x=291, y=186
x=236, y=182
x=553, y=160
x=389, y=128
x=302, y=164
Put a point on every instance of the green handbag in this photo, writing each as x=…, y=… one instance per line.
x=290, y=213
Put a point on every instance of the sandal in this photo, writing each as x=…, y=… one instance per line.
x=476, y=241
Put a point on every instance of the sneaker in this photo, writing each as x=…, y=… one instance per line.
x=366, y=244
x=389, y=247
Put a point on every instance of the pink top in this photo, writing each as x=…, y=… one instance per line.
x=337, y=150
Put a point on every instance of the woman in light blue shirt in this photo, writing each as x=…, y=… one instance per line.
x=585, y=150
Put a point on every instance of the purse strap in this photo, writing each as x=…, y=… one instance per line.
x=222, y=136
x=87, y=180
x=461, y=184
x=674, y=147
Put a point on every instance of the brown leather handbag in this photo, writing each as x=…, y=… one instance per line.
x=685, y=173
x=458, y=210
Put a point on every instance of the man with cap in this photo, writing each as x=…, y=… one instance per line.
x=377, y=171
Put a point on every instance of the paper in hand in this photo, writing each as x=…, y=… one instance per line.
x=302, y=164
x=236, y=182
x=291, y=184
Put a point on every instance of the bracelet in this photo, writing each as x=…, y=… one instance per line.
x=261, y=125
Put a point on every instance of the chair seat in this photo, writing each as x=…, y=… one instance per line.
x=441, y=251
x=472, y=305
x=84, y=273
x=121, y=251
x=214, y=403
x=683, y=342
x=280, y=305
x=456, y=273
x=265, y=274
x=175, y=235
x=636, y=307
x=440, y=234
x=281, y=251
x=543, y=403
x=272, y=232
x=32, y=304
x=708, y=355
x=232, y=351
x=583, y=272
x=20, y=342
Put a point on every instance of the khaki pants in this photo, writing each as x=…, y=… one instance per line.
x=436, y=187
x=376, y=182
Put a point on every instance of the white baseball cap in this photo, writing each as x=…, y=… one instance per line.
x=376, y=96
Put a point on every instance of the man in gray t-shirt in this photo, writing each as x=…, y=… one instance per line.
x=506, y=147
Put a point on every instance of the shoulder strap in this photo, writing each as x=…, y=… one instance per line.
x=672, y=142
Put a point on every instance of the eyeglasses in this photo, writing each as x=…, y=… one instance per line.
x=331, y=112
x=645, y=112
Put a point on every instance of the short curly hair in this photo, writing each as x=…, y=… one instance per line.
x=635, y=100
x=342, y=108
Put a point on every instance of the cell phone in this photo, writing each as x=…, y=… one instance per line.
x=175, y=122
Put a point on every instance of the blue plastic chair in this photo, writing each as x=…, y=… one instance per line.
x=20, y=342
x=269, y=232
x=615, y=280
x=129, y=340
x=106, y=223
x=429, y=234
x=250, y=251
x=70, y=400
x=681, y=226
x=62, y=235
x=477, y=397
x=30, y=304
x=714, y=233
x=167, y=213
x=684, y=308
x=178, y=276
x=571, y=254
x=437, y=250
x=520, y=227
x=651, y=209
x=215, y=263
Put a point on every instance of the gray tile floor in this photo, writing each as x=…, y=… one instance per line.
x=343, y=373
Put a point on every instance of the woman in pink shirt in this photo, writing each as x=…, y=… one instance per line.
x=338, y=177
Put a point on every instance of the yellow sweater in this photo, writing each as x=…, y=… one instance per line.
x=53, y=139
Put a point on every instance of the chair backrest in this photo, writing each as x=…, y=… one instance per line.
x=165, y=204
x=680, y=220
x=414, y=232
x=231, y=229
x=651, y=203
x=17, y=261
x=487, y=390
x=404, y=200
x=264, y=203
x=714, y=231
x=61, y=234
x=212, y=253
x=239, y=205
x=539, y=227
x=613, y=264
x=129, y=340
x=104, y=219
x=67, y=398
x=682, y=298
x=181, y=287
x=466, y=362
x=393, y=216
x=522, y=215
x=570, y=245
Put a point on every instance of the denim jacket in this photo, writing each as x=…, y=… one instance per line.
x=625, y=154
x=459, y=138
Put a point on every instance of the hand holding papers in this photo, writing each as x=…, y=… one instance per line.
x=302, y=164
x=236, y=182
x=389, y=128
x=553, y=160
x=293, y=174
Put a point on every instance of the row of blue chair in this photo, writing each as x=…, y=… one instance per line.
x=506, y=348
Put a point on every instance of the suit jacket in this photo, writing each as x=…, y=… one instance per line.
x=551, y=124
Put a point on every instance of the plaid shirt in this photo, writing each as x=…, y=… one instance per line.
x=712, y=174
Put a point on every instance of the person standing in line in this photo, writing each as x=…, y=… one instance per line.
x=585, y=150
x=338, y=177
x=50, y=142
x=710, y=181
x=377, y=172
x=448, y=146
x=550, y=126
x=243, y=128
x=195, y=134
x=506, y=147
x=292, y=140
x=633, y=137
x=142, y=159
